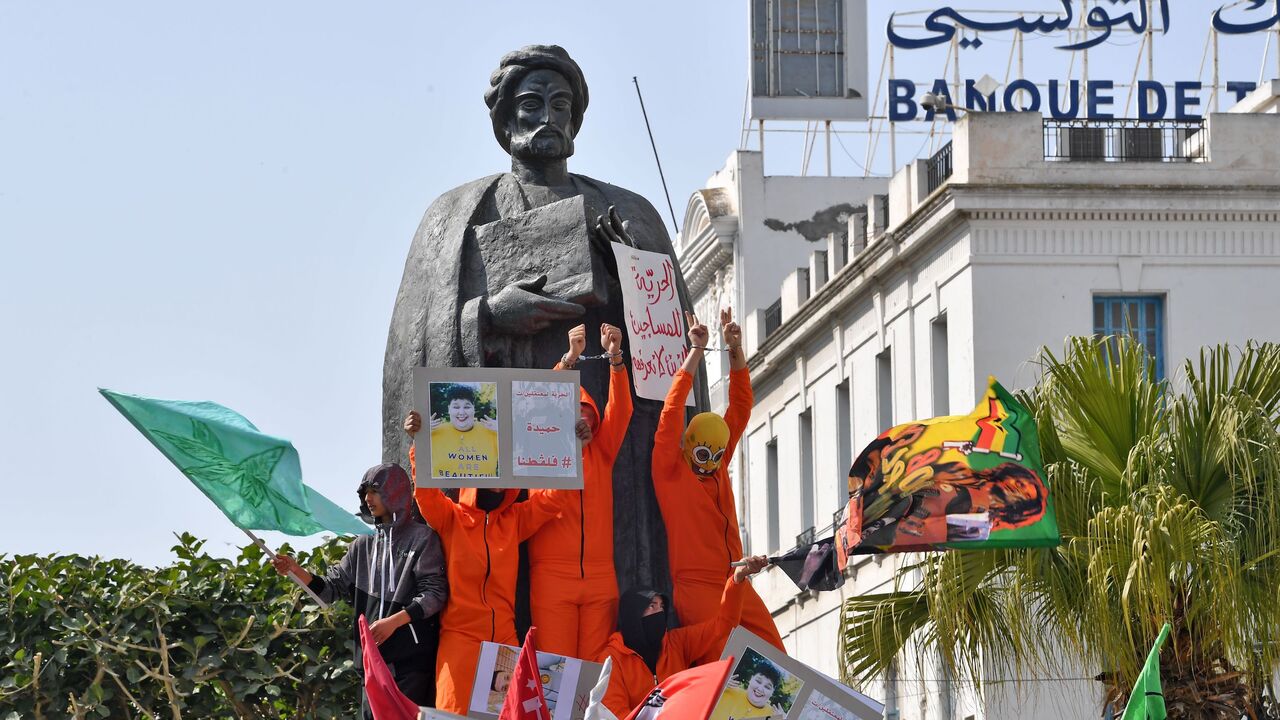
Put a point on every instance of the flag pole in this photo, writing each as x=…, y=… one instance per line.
x=262, y=544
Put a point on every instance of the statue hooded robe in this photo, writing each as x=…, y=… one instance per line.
x=442, y=315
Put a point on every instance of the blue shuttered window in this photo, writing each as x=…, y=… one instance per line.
x=1138, y=316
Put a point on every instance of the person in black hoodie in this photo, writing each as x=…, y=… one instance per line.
x=395, y=578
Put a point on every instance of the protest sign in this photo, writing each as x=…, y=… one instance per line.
x=542, y=428
x=566, y=682
x=497, y=428
x=655, y=320
x=766, y=682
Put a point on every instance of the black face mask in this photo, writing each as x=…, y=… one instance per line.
x=655, y=628
x=489, y=500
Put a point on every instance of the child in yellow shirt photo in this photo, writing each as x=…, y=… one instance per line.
x=464, y=430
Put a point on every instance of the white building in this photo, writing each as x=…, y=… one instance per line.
x=1020, y=233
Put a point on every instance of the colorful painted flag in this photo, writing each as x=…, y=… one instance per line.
x=386, y=702
x=525, y=700
x=973, y=481
x=1146, y=702
x=687, y=695
x=254, y=479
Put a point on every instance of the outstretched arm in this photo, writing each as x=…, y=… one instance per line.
x=666, y=441
x=740, y=395
x=436, y=508
x=698, y=338
x=617, y=413
x=709, y=637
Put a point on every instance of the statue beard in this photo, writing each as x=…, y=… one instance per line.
x=545, y=143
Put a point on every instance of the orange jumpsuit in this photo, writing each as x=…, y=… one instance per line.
x=631, y=680
x=573, y=591
x=481, y=552
x=700, y=515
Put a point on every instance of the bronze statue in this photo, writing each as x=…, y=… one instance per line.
x=503, y=266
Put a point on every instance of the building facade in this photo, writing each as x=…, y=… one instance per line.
x=1020, y=233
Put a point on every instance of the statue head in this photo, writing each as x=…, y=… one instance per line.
x=536, y=100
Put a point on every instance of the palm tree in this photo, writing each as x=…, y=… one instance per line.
x=1168, y=501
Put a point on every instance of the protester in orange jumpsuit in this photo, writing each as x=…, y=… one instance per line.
x=691, y=480
x=645, y=652
x=573, y=588
x=481, y=534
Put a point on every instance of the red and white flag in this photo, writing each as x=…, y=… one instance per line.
x=688, y=695
x=524, y=695
x=386, y=702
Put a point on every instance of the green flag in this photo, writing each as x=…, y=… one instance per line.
x=1146, y=702
x=254, y=479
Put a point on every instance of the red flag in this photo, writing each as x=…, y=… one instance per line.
x=688, y=695
x=524, y=695
x=385, y=699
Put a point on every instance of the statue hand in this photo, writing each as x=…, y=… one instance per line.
x=520, y=309
x=610, y=228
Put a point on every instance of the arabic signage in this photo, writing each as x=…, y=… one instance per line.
x=655, y=325
x=543, y=417
x=1068, y=100
x=497, y=428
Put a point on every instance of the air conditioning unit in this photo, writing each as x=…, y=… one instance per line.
x=1082, y=143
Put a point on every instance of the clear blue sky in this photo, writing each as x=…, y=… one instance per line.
x=214, y=201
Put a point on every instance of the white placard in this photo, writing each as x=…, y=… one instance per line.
x=543, y=415
x=655, y=319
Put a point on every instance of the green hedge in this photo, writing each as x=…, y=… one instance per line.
x=202, y=638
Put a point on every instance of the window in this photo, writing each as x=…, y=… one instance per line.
x=772, y=529
x=884, y=390
x=844, y=440
x=941, y=383
x=806, y=470
x=1141, y=317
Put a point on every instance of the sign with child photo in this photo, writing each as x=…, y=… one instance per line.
x=497, y=428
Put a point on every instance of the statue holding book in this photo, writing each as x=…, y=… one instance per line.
x=503, y=266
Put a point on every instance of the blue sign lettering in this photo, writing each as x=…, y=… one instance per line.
x=1055, y=109
x=1181, y=100
x=1241, y=89
x=902, y=105
x=1097, y=99
x=1184, y=97
x=1147, y=88
x=1230, y=28
x=1029, y=88
x=943, y=24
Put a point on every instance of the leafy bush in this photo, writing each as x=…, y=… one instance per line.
x=202, y=638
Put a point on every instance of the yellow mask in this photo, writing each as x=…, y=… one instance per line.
x=705, y=441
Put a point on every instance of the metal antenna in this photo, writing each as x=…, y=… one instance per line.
x=674, y=224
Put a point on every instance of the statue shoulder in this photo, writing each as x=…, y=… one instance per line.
x=631, y=205
x=465, y=195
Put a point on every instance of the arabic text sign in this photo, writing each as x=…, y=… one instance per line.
x=543, y=415
x=655, y=322
x=1095, y=26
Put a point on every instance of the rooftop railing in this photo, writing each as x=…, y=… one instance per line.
x=1124, y=141
x=940, y=167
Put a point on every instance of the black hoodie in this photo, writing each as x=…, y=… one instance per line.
x=399, y=567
